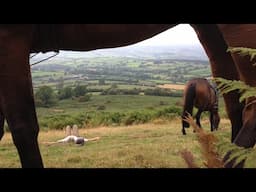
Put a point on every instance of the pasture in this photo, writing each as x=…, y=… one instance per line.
x=152, y=145
x=147, y=141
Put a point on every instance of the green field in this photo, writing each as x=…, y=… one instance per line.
x=121, y=69
x=113, y=103
x=112, y=110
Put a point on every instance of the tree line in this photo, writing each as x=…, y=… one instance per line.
x=45, y=96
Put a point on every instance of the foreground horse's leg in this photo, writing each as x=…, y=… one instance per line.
x=242, y=36
x=1, y=125
x=222, y=65
x=21, y=118
x=16, y=93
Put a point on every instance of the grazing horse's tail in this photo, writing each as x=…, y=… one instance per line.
x=189, y=97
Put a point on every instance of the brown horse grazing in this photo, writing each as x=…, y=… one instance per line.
x=17, y=41
x=200, y=93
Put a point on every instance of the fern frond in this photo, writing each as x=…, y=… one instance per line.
x=243, y=51
x=225, y=86
x=207, y=142
x=247, y=93
x=189, y=158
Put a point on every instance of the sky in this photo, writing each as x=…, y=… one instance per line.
x=182, y=34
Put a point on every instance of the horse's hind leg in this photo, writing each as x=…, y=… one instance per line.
x=211, y=122
x=198, y=115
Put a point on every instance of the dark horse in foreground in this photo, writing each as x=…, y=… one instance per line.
x=202, y=94
x=17, y=41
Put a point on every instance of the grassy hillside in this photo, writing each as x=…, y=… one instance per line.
x=112, y=103
x=109, y=110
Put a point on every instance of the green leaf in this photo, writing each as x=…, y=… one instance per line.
x=243, y=51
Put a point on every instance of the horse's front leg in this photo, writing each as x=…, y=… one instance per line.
x=16, y=93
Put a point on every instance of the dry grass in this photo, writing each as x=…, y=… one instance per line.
x=172, y=86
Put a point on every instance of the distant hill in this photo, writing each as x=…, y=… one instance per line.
x=178, y=52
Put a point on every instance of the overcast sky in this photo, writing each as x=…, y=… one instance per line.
x=181, y=34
